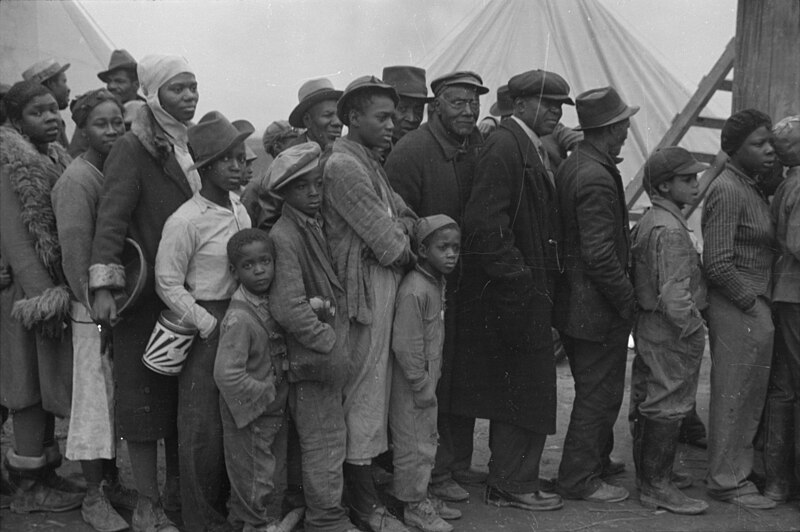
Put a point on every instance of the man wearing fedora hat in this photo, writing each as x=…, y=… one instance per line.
x=120, y=77
x=432, y=169
x=368, y=227
x=512, y=231
x=595, y=299
x=51, y=74
x=409, y=82
x=316, y=111
x=193, y=279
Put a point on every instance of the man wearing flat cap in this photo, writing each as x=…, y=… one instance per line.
x=432, y=169
x=595, y=300
x=316, y=111
x=51, y=74
x=411, y=87
x=512, y=239
x=367, y=225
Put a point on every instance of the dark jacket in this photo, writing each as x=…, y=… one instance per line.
x=595, y=293
x=316, y=340
x=507, y=371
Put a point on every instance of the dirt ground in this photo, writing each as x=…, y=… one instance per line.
x=576, y=516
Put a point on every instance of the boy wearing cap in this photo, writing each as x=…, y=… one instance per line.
x=193, y=279
x=417, y=341
x=367, y=225
x=307, y=299
x=670, y=332
x=249, y=370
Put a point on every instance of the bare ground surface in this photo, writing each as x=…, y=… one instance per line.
x=576, y=516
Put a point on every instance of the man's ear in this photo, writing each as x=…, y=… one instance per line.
x=307, y=120
x=664, y=187
x=354, y=117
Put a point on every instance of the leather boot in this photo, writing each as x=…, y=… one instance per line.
x=32, y=494
x=54, y=459
x=778, y=447
x=359, y=487
x=659, y=444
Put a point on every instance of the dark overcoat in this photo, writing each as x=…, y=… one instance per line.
x=144, y=184
x=433, y=171
x=595, y=294
x=507, y=369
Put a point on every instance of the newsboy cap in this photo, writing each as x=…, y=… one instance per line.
x=312, y=92
x=540, y=83
x=601, y=107
x=430, y=224
x=666, y=163
x=44, y=70
x=212, y=137
x=463, y=77
x=292, y=163
x=408, y=81
x=119, y=59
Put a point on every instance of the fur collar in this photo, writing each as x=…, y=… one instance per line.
x=150, y=134
x=32, y=175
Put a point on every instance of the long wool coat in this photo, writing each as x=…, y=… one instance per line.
x=33, y=368
x=506, y=371
x=144, y=184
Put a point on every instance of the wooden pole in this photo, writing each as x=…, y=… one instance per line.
x=767, y=66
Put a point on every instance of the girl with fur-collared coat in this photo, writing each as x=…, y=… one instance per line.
x=35, y=354
x=147, y=178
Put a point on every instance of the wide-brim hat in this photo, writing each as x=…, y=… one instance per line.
x=461, y=77
x=312, y=92
x=540, y=83
x=361, y=84
x=212, y=137
x=601, y=107
x=242, y=126
x=119, y=59
x=292, y=163
x=504, y=104
x=408, y=81
x=44, y=70
x=135, y=267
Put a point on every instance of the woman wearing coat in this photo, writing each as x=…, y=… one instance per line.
x=148, y=177
x=35, y=346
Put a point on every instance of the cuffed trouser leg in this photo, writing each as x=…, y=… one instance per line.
x=516, y=453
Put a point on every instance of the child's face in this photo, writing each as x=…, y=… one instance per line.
x=681, y=190
x=226, y=171
x=255, y=268
x=305, y=192
x=442, y=250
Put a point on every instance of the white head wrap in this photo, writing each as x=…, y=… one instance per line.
x=154, y=71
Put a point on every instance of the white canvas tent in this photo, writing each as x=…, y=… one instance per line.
x=583, y=42
x=36, y=30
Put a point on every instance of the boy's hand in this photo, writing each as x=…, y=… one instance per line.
x=426, y=397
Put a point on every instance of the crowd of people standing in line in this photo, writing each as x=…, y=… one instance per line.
x=381, y=291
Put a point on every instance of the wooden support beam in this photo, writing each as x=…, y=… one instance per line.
x=685, y=119
x=726, y=85
x=707, y=158
x=711, y=123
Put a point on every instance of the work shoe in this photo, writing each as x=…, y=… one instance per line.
x=469, y=476
x=36, y=496
x=98, y=513
x=537, y=501
x=681, y=480
x=56, y=481
x=119, y=496
x=149, y=516
x=607, y=493
x=423, y=516
x=670, y=498
x=444, y=511
x=448, y=490
x=754, y=501
x=612, y=468
x=380, y=520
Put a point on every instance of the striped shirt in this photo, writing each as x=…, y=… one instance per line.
x=739, y=238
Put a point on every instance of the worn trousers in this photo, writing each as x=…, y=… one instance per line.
x=318, y=411
x=250, y=464
x=516, y=453
x=454, y=452
x=667, y=366
x=598, y=369
x=741, y=354
x=414, y=433
x=782, y=412
x=204, y=481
